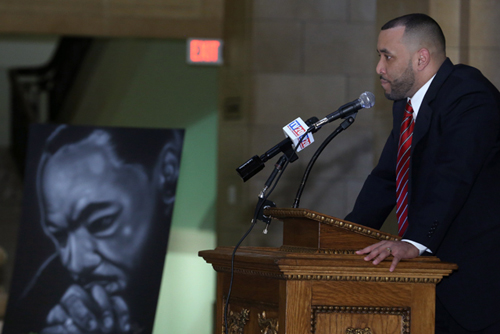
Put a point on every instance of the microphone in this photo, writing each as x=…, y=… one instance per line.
x=366, y=100
x=255, y=164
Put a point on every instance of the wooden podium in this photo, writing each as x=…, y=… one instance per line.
x=315, y=283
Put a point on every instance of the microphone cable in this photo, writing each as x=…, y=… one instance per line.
x=259, y=207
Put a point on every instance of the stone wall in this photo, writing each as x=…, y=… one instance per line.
x=299, y=58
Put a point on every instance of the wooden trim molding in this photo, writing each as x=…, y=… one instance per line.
x=377, y=278
x=110, y=18
x=294, y=249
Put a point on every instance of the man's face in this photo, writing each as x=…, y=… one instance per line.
x=395, y=65
x=98, y=212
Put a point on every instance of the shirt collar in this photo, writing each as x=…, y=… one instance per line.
x=418, y=97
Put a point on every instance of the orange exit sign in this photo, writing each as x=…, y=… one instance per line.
x=204, y=51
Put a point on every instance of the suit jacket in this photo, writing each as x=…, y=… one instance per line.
x=454, y=189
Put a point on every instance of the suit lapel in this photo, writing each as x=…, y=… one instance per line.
x=425, y=112
x=422, y=124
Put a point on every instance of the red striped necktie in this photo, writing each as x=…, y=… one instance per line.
x=403, y=167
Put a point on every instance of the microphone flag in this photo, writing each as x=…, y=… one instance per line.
x=295, y=130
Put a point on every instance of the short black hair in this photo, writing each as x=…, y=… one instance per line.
x=422, y=24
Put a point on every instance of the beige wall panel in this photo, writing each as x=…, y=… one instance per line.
x=278, y=48
x=454, y=54
x=447, y=14
x=454, y=18
x=362, y=10
x=336, y=48
x=389, y=9
x=280, y=98
x=338, y=162
x=301, y=9
x=484, y=24
x=487, y=61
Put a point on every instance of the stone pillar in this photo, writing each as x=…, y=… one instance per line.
x=290, y=58
x=484, y=40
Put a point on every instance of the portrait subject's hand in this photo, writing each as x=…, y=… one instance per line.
x=398, y=249
x=80, y=311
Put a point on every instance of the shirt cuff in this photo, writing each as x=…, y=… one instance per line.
x=421, y=248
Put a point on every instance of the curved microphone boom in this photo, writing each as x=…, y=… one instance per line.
x=366, y=100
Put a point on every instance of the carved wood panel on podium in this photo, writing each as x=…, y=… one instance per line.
x=315, y=283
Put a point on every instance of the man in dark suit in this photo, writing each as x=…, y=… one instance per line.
x=446, y=188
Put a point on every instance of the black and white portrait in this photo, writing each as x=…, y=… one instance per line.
x=97, y=209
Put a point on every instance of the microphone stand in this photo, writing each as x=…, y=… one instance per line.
x=344, y=125
x=263, y=202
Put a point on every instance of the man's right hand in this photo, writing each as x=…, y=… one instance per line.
x=398, y=249
x=80, y=312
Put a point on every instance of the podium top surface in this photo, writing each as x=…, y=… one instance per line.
x=308, y=230
x=340, y=224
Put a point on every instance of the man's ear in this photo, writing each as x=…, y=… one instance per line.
x=167, y=171
x=424, y=58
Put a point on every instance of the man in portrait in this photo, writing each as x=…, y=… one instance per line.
x=97, y=211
